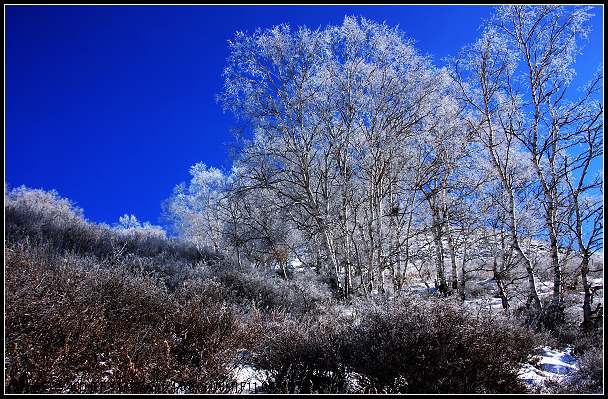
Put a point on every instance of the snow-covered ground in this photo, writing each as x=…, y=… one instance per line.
x=598, y=281
x=485, y=303
x=550, y=365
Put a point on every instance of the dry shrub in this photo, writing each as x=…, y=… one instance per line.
x=302, y=356
x=436, y=347
x=90, y=310
x=45, y=218
x=424, y=346
x=263, y=289
x=72, y=326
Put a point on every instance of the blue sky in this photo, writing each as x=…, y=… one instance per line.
x=111, y=105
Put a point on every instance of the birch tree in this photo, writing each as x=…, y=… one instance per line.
x=483, y=71
x=327, y=110
x=547, y=39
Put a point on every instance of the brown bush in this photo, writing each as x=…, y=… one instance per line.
x=302, y=356
x=436, y=347
x=72, y=326
x=424, y=346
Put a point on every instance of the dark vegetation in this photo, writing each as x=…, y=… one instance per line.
x=91, y=308
x=408, y=346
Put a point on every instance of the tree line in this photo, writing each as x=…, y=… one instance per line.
x=361, y=159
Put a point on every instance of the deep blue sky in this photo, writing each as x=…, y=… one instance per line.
x=111, y=105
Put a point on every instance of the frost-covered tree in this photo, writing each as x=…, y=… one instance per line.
x=541, y=142
x=482, y=71
x=546, y=40
x=361, y=159
x=330, y=111
x=130, y=225
x=194, y=209
x=128, y=222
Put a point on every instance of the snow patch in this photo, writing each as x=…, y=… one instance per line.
x=551, y=365
x=492, y=303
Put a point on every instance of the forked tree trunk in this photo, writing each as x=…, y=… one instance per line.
x=533, y=299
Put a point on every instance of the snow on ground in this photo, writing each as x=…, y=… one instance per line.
x=551, y=365
x=597, y=281
x=492, y=303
